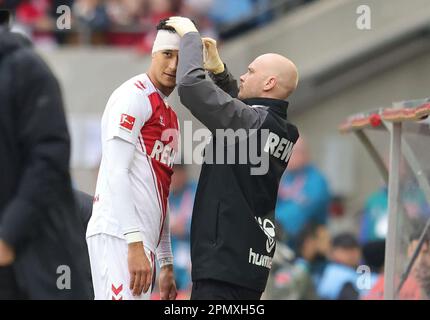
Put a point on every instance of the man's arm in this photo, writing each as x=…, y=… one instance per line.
x=164, y=249
x=165, y=259
x=226, y=82
x=45, y=147
x=217, y=69
x=119, y=155
x=211, y=105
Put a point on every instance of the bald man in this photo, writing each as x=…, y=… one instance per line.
x=233, y=229
x=269, y=76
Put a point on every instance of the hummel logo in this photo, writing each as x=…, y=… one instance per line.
x=116, y=292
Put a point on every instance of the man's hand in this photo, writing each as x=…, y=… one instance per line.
x=182, y=25
x=211, y=60
x=167, y=283
x=139, y=268
x=7, y=254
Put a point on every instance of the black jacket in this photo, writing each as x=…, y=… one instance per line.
x=232, y=230
x=38, y=217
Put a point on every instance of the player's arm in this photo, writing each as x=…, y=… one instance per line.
x=215, y=108
x=165, y=260
x=123, y=130
x=217, y=69
x=119, y=156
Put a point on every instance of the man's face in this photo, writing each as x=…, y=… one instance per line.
x=252, y=82
x=163, y=67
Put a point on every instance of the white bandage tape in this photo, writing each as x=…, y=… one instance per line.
x=166, y=40
x=165, y=261
x=133, y=237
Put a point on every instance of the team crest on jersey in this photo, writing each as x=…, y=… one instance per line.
x=127, y=122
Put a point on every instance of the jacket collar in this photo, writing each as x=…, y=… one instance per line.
x=279, y=106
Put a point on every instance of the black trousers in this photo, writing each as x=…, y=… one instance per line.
x=218, y=290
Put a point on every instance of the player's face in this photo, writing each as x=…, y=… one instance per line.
x=252, y=82
x=163, y=69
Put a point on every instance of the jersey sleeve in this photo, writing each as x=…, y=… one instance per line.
x=128, y=113
x=164, y=249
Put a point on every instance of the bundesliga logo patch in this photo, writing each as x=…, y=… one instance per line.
x=127, y=121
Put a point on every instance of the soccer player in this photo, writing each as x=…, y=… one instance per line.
x=129, y=225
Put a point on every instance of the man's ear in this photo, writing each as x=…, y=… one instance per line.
x=270, y=83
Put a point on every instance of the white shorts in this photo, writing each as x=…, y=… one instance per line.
x=109, y=268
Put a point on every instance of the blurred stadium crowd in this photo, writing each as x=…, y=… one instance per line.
x=130, y=22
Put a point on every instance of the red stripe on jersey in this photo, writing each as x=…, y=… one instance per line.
x=138, y=86
x=156, y=100
x=154, y=271
x=162, y=118
x=141, y=84
x=141, y=145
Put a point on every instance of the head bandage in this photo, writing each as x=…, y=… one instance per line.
x=166, y=40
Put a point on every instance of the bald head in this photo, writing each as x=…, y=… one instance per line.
x=270, y=75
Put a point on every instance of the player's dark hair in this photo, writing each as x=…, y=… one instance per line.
x=162, y=25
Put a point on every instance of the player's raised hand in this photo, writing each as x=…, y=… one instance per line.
x=167, y=283
x=139, y=268
x=212, y=61
x=182, y=25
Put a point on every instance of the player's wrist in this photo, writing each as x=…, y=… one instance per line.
x=133, y=237
x=219, y=68
x=166, y=262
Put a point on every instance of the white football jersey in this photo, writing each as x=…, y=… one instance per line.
x=139, y=114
